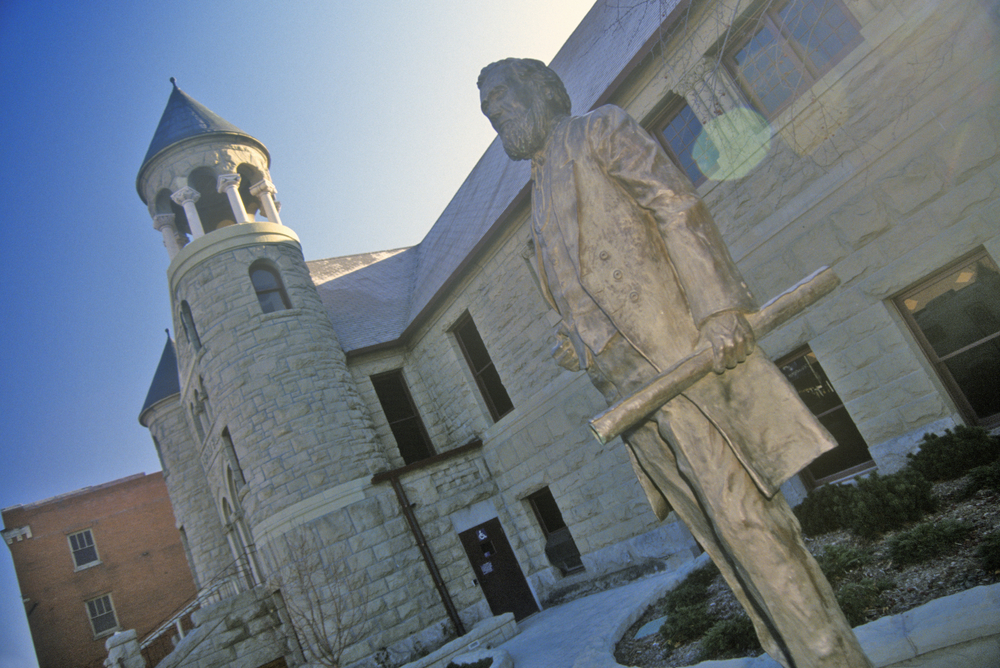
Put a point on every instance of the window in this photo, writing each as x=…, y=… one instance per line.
x=851, y=455
x=269, y=288
x=955, y=316
x=81, y=544
x=560, y=548
x=790, y=45
x=485, y=373
x=102, y=615
x=187, y=321
x=680, y=137
x=402, y=416
x=234, y=470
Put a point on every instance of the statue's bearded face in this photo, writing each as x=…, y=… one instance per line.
x=518, y=112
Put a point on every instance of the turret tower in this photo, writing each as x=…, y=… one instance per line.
x=282, y=435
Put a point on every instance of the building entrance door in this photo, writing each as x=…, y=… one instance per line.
x=497, y=570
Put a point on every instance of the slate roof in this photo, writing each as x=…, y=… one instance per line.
x=166, y=380
x=374, y=304
x=183, y=118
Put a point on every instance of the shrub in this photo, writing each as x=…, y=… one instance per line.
x=856, y=598
x=687, y=623
x=485, y=662
x=883, y=503
x=825, y=509
x=732, y=636
x=950, y=455
x=983, y=477
x=687, y=616
x=693, y=590
x=838, y=560
x=926, y=540
x=989, y=551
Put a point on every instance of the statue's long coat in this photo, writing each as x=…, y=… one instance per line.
x=646, y=252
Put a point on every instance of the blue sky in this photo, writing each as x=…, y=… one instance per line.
x=370, y=113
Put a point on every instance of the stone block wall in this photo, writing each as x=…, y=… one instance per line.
x=886, y=170
x=244, y=631
x=194, y=509
x=277, y=381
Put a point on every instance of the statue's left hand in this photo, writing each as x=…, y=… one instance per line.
x=731, y=338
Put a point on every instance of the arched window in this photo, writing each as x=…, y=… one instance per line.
x=188, y=323
x=269, y=288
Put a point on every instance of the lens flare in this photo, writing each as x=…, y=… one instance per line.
x=732, y=144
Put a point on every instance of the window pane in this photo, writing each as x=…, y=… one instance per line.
x=82, y=546
x=682, y=133
x=102, y=616
x=263, y=280
x=958, y=314
x=486, y=375
x=479, y=358
x=960, y=308
x=817, y=393
x=820, y=27
x=767, y=70
x=270, y=301
x=402, y=416
x=811, y=383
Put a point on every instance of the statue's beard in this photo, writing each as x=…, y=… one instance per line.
x=522, y=138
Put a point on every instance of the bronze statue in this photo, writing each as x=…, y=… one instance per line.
x=631, y=259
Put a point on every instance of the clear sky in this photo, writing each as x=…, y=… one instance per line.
x=371, y=115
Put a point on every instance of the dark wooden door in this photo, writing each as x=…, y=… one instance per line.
x=497, y=570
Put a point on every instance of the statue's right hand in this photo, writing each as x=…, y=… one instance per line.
x=564, y=353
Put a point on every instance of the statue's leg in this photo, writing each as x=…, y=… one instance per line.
x=756, y=541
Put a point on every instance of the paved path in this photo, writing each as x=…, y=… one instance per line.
x=583, y=633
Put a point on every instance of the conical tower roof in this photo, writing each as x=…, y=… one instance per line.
x=184, y=118
x=166, y=381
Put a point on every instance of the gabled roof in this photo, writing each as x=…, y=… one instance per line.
x=375, y=304
x=166, y=380
x=185, y=117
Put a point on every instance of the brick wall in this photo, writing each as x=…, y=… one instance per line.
x=142, y=565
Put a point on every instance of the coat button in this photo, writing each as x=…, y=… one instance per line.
x=633, y=296
x=618, y=274
x=604, y=255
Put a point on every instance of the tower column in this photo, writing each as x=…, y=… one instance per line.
x=165, y=223
x=229, y=184
x=186, y=197
x=264, y=191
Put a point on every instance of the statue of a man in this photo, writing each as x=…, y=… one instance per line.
x=631, y=259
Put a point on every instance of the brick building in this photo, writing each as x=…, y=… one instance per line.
x=387, y=433
x=95, y=561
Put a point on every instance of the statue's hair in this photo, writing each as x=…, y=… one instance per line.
x=540, y=74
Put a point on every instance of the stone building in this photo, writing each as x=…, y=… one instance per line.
x=383, y=439
x=95, y=561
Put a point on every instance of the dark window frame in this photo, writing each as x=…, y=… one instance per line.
x=412, y=440
x=265, y=293
x=938, y=363
x=767, y=18
x=488, y=380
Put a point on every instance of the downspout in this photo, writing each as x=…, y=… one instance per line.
x=394, y=477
